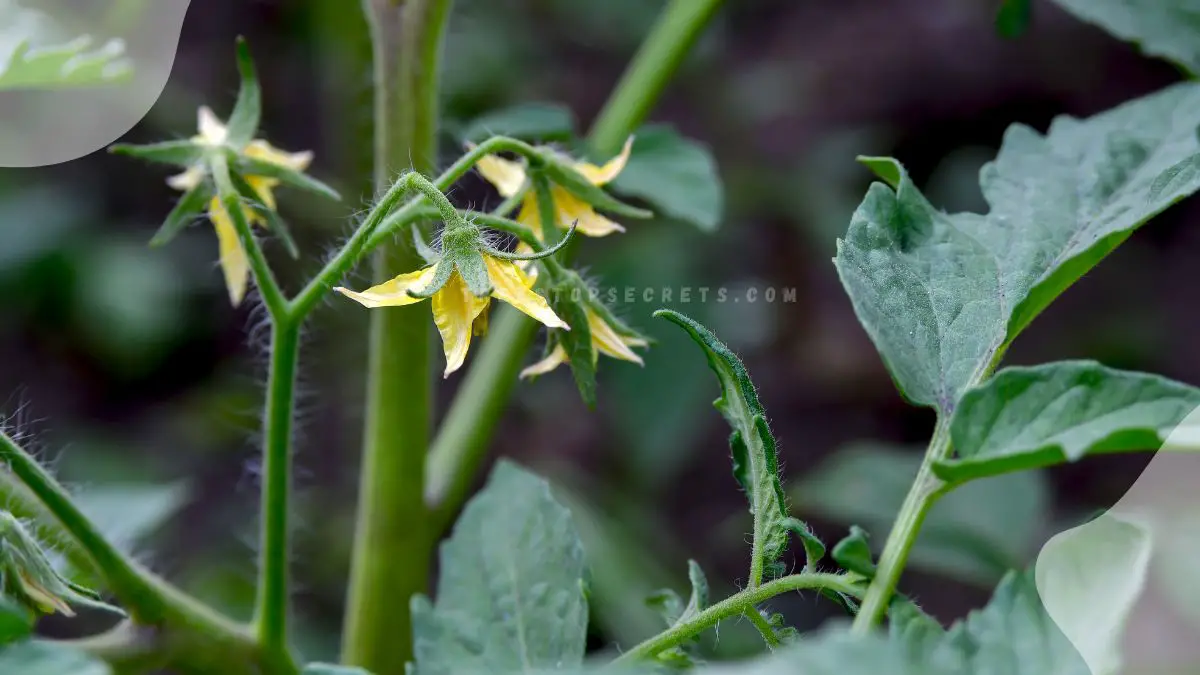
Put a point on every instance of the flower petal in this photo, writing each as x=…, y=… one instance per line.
x=513, y=286
x=263, y=188
x=609, y=342
x=297, y=161
x=455, y=309
x=188, y=179
x=392, y=293
x=507, y=176
x=530, y=216
x=212, y=129
x=556, y=358
x=602, y=175
x=572, y=209
x=234, y=262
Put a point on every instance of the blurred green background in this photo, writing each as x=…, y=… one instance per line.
x=142, y=386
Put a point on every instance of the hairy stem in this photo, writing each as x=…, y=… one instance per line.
x=392, y=549
x=925, y=491
x=740, y=603
x=271, y=610
x=462, y=440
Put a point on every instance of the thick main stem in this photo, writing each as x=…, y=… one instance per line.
x=392, y=549
x=272, y=602
x=925, y=490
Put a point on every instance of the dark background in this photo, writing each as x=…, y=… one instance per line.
x=142, y=386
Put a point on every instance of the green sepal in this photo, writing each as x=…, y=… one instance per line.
x=537, y=254
x=252, y=166
x=606, y=314
x=473, y=271
x=847, y=602
x=177, y=153
x=275, y=222
x=814, y=548
x=565, y=176
x=190, y=205
x=577, y=342
x=427, y=253
x=854, y=554
x=247, y=111
x=441, y=275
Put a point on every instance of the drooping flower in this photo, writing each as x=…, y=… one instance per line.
x=508, y=177
x=214, y=134
x=605, y=340
x=457, y=311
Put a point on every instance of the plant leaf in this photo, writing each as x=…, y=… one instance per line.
x=755, y=464
x=975, y=534
x=191, y=204
x=942, y=295
x=44, y=658
x=36, y=54
x=16, y=622
x=675, y=175
x=1166, y=28
x=175, y=153
x=530, y=121
x=330, y=669
x=251, y=166
x=853, y=553
x=510, y=595
x=577, y=342
x=1025, y=418
x=247, y=110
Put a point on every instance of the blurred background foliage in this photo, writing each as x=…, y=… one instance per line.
x=142, y=386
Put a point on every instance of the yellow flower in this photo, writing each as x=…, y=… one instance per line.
x=605, y=340
x=458, y=313
x=233, y=259
x=508, y=177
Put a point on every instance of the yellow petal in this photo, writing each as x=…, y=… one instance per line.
x=507, y=176
x=571, y=209
x=601, y=175
x=260, y=149
x=188, y=179
x=212, y=129
x=530, y=216
x=46, y=601
x=555, y=359
x=512, y=285
x=455, y=309
x=234, y=262
x=263, y=188
x=392, y=293
x=610, y=343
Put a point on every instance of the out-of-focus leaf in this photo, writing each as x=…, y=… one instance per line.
x=247, y=110
x=1013, y=17
x=35, y=53
x=1166, y=28
x=128, y=513
x=44, y=658
x=530, y=121
x=853, y=553
x=16, y=622
x=510, y=596
x=976, y=533
x=1025, y=418
x=329, y=669
x=675, y=175
x=942, y=295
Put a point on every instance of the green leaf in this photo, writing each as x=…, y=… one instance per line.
x=193, y=203
x=250, y=166
x=975, y=534
x=16, y=622
x=572, y=181
x=942, y=295
x=1012, y=20
x=35, y=53
x=853, y=553
x=44, y=658
x=675, y=175
x=510, y=593
x=247, y=111
x=176, y=153
x=329, y=669
x=126, y=513
x=529, y=121
x=1166, y=28
x=1025, y=418
x=669, y=605
x=755, y=464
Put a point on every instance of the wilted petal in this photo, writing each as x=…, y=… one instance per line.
x=392, y=293
x=513, y=286
x=507, y=176
x=571, y=209
x=530, y=216
x=554, y=359
x=602, y=175
x=188, y=179
x=263, y=187
x=611, y=343
x=234, y=262
x=455, y=309
x=296, y=161
x=212, y=129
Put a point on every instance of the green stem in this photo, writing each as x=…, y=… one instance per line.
x=925, y=491
x=661, y=54
x=392, y=550
x=764, y=627
x=272, y=603
x=735, y=605
x=461, y=443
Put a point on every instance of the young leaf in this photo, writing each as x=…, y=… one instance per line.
x=247, y=111
x=755, y=464
x=669, y=605
x=529, y=121
x=854, y=553
x=1166, y=28
x=942, y=295
x=675, y=175
x=1025, y=418
x=510, y=594
x=44, y=658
